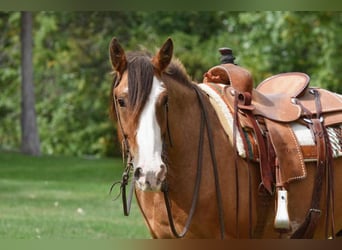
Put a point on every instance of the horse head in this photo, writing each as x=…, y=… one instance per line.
x=139, y=101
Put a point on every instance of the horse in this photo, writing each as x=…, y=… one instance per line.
x=188, y=180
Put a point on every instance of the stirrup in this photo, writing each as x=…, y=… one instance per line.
x=282, y=221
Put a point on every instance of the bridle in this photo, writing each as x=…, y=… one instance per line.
x=128, y=162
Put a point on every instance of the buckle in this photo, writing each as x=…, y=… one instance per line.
x=315, y=210
x=307, y=120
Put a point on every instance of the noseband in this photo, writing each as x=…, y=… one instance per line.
x=128, y=162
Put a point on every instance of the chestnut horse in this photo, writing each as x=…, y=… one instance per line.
x=187, y=179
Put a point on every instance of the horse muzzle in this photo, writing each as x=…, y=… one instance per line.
x=150, y=179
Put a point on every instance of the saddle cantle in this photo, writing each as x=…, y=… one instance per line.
x=290, y=84
x=275, y=98
x=276, y=92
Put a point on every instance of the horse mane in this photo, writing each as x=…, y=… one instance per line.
x=140, y=78
x=177, y=72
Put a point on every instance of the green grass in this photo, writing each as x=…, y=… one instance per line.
x=52, y=197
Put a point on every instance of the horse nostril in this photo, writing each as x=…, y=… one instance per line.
x=137, y=173
x=162, y=172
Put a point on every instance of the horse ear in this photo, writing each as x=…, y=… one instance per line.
x=117, y=56
x=164, y=56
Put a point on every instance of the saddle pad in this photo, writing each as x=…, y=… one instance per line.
x=306, y=141
x=224, y=114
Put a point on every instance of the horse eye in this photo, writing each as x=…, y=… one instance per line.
x=121, y=102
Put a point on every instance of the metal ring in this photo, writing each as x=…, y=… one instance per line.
x=294, y=100
x=315, y=210
x=307, y=120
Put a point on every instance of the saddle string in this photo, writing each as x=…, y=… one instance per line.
x=241, y=98
x=235, y=126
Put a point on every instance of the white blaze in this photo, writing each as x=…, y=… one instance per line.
x=149, y=135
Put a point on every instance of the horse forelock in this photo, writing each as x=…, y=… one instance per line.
x=140, y=78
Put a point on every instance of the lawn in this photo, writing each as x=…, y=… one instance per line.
x=57, y=197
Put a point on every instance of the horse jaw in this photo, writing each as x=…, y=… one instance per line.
x=150, y=170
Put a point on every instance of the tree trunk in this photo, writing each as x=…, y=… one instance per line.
x=30, y=143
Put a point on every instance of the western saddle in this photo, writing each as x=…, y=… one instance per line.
x=264, y=117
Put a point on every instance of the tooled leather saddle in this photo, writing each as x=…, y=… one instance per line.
x=267, y=119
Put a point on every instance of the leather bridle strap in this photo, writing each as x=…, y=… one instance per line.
x=127, y=203
x=204, y=122
x=235, y=128
x=324, y=168
x=241, y=98
x=127, y=158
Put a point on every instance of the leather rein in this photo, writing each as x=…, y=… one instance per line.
x=128, y=162
x=204, y=123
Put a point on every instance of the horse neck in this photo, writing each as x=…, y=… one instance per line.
x=184, y=125
x=184, y=120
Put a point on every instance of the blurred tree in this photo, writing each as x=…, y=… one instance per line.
x=272, y=42
x=72, y=71
x=30, y=138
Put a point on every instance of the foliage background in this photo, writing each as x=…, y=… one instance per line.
x=72, y=71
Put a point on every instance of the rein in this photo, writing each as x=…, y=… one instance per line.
x=204, y=122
